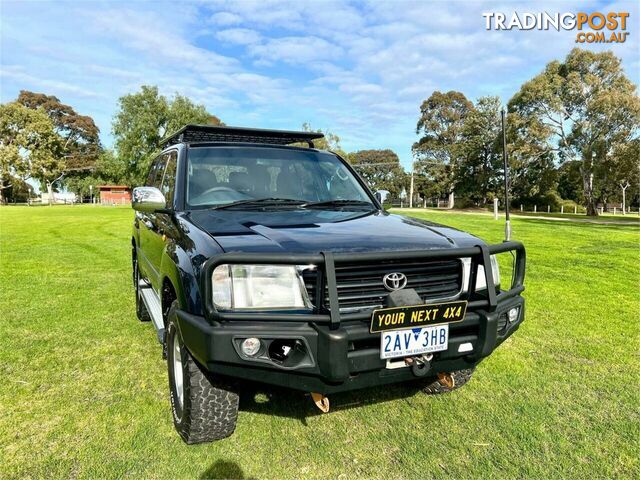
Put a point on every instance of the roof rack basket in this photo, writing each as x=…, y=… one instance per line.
x=210, y=133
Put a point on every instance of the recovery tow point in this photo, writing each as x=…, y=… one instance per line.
x=321, y=402
x=447, y=380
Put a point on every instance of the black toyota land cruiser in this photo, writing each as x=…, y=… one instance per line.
x=260, y=258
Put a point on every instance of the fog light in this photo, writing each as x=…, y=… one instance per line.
x=251, y=346
x=513, y=314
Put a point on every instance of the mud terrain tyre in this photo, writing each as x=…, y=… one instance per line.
x=203, y=409
x=460, y=377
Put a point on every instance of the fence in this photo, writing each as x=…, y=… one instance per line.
x=35, y=202
x=542, y=209
x=575, y=210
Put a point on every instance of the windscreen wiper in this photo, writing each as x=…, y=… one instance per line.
x=260, y=202
x=338, y=203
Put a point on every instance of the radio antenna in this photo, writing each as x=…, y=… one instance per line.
x=507, y=225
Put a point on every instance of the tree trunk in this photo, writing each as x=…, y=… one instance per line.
x=3, y=187
x=50, y=193
x=590, y=201
x=452, y=199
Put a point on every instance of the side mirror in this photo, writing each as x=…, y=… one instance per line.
x=148, y=199
x=381, y=195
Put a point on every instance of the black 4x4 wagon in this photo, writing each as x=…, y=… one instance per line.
x=259, y=260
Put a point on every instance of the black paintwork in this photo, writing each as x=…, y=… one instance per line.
x=175, y=246
x=313, y=231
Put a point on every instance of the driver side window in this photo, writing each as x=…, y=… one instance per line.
x=168, y=185
x=155, y=172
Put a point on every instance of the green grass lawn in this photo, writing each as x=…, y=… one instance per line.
x=630, y=218
x=605, y=217
x=84, y=388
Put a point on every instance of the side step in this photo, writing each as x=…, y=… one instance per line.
x=154, y=307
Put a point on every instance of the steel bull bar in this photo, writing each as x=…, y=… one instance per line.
x=327, y=333
x=327, y=261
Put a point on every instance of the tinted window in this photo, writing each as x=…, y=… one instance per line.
x=155, y=173
x=168, y=184
x=219, y=175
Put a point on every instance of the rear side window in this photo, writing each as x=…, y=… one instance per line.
x=168, y=184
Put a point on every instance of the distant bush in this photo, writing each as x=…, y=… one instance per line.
x=550, y=199
x=570, y=205
x=462, y=202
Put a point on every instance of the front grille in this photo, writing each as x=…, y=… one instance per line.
x=311, y=282
x=360, y=284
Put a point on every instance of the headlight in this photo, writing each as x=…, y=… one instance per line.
x=481, y=279
x=259, y=287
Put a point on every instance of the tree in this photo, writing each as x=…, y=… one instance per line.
x=441, y=120
x=624, y=171
x=108, y=170
x=138, y=127
x=381, y=169
x=479, y=167
x=580, y=110
x=330, y=141
x=432, y=180
x=143, y=119
x=183, y=111
x=79, y=134
x=570, y=181
x=19, y=191
x=29, y=147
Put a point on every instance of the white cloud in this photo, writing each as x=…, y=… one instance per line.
x=362, y=88
x=113, y=71
x=360, y=69
x=153, y=36
x=225, y=19
x=17, y=73
x=295, y=50
x=239, y=36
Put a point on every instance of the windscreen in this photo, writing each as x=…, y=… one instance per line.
x=223, y=175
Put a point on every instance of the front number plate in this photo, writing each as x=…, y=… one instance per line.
x=397, y=318
x=414, y=341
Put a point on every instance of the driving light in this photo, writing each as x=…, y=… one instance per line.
x=259, y=287
x=481, y=279
x=513, y=314
x=250, y=346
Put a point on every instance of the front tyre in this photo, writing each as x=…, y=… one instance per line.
x=460, y=378
x=203, y=410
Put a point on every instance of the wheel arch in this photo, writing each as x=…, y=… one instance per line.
x=168, y=294
x=177, y=269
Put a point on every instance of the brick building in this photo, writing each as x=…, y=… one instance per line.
x=114, y=194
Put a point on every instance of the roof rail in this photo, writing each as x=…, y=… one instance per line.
x=211, y=133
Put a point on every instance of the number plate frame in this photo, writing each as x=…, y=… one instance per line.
x=414, y=341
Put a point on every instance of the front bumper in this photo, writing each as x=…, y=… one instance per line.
x=344, y=359
x=341, y=353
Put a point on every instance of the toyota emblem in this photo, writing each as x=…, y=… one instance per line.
x=394, y=281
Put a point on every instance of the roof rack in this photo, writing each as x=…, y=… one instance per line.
x=210, y=133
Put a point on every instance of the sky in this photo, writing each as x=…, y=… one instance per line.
x=358, y=69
